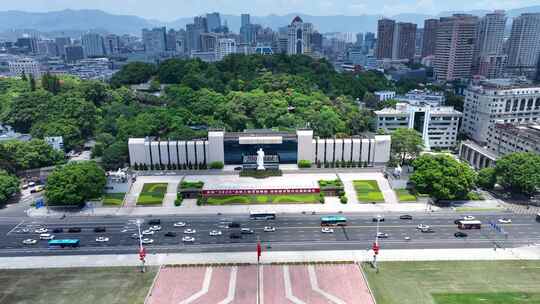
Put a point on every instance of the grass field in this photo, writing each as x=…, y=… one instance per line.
x=152, y=194
x=113, y=199
x=113, y=285
x=405, y=196
x=264, y=199
x=462, y=282
x=368, y=191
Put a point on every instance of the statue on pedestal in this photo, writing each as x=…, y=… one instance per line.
x=260, y=160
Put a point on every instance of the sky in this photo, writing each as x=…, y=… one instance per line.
x=167, y=10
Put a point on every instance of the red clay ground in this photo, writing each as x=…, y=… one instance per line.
x=279, y=284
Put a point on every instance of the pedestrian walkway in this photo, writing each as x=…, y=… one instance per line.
x=470, y=254
x=270, y=284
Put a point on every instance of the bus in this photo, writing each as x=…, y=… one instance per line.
x=469, y=224
x=69, y=243
x=262, y=215
x=333, y=220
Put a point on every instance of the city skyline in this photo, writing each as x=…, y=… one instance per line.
x=257, y=7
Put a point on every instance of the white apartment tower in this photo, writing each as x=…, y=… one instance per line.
x=225, y=47
x=299, y=37
x=524, y=43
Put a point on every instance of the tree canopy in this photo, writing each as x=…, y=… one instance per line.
x=519, y=172
x=19, y=155
x=406, y=144
x=75, y=183
x=9, y=186
x=442, y=177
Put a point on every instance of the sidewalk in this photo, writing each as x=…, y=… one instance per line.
x=485, y=254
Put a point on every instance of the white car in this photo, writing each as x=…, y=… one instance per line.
x=188, y=239
x=179, y=224
x=148, y=232
x=469, y=218
x=147, y=241
x=269, y=229
x=46, y=236
x=505, y=221
x=135, y=236
x=327, y=230
x=382, y=235
x=215, y=233
x=407, y=238
x=29, y=242
x=155, y=228
x=41, y=230
x=422, y=227
x=102, y=239
x=189, y=231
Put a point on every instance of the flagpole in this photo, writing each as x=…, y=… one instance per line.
x=258, y=271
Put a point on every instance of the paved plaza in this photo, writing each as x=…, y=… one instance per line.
x=278, y=284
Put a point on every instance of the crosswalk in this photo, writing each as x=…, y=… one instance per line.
x=520, y=209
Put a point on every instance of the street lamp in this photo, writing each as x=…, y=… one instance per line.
x=376, y=246
x=142, y=253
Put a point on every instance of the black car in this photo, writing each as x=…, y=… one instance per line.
x=405, y=217
x=457, y=221
x=460, y=234
x=235, y=235
x=427, y=230
x=58, y=230
x=99, y=229
x=74, y=229
x=234, y=225
x=378, y=218
x=154, y=222
x=170, y=234
x=237, y=168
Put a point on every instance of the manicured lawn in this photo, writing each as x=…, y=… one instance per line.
x=152, y=194
x=405, y=196
x=113, y=285
x=191, y=185
x=113, y=199
x=368, y=191
x=264, y=199
x=460, y=282
x=491, y=298
x=330, y=183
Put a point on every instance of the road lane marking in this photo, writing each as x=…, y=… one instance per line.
x=14, y=228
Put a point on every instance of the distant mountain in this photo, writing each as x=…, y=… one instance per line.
x=83, y=20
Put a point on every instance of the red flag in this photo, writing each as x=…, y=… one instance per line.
x=142, y=253
x=259, y=250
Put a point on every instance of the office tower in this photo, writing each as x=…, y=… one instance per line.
x=47, y=48
x=112, y=44
x=360, y=39
x=385, y=38
x=369, y=41
x=214, y=22
x=404, y=41
x=93, y=45
x=194, y=32
x=454, y=47
x=30, y=44
x=524, y=44
x=61, y=43
x=209, y=42
x=226, y=46
x=154, y=40
x=299, y=37
x=245, y=20
x=201, y=23
x=316, y=41
x=430, y=36
x=492, y=66
x=419, y=42
x=73, y=53
x=171, y=41
x=489, y=37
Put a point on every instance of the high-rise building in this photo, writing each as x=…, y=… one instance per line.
x=492, y=66
x=201, y=22
x=369, y=41
x=30, y=44
x=316, y=41
x=245, y=20
x=524, y=44
x=360, y=40
x=489, y=37
x=194, y=32
x=385, y=38
x=454, y=47
x=419, y=42
x=209, y=42
x=404, y=41
x=299, y=37
x=248, y=34
x=112, y=44
x=26, y=66
x=47, y=48
x=73, y=53
x=61, y=43
x=93, y=45
x=214, y=22
x=430, y=35
x=226, y=46
x=154, y=40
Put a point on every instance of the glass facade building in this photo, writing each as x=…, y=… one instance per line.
x=287, y=151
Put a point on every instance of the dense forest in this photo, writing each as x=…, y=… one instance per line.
x=282, y=92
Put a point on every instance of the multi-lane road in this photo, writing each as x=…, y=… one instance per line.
x=293, y=232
